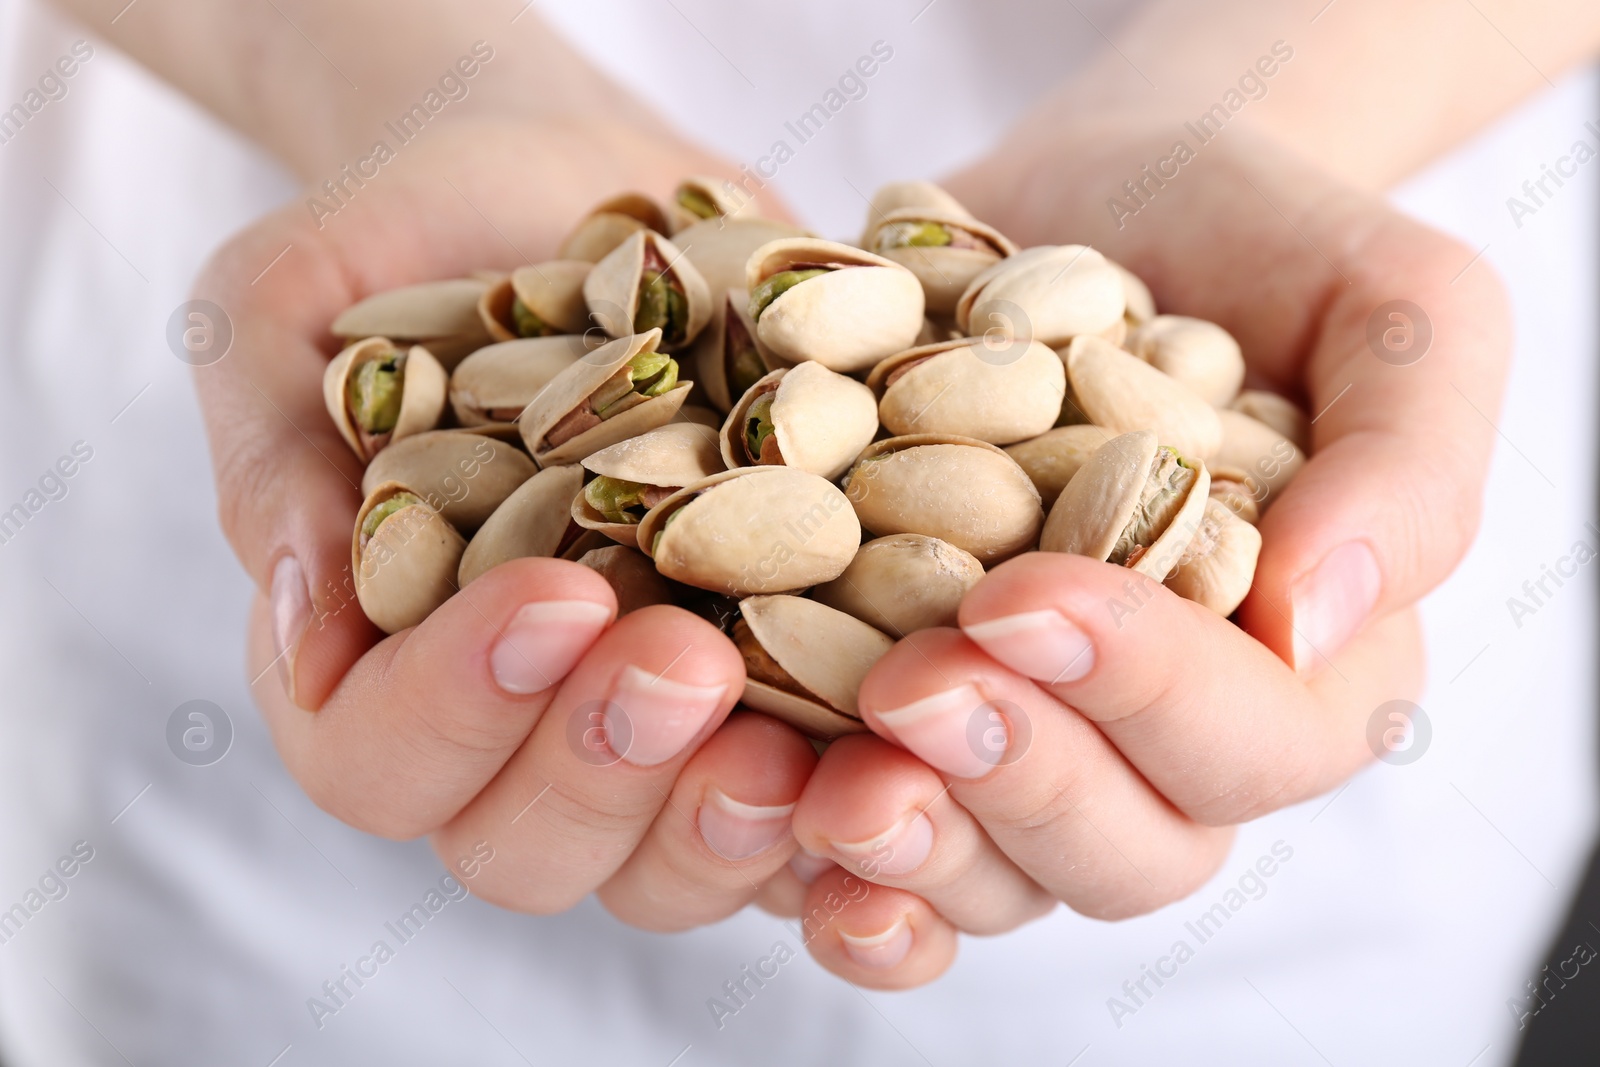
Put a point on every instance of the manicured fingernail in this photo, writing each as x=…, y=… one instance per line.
x=662, y=715
x=946, y=731
x=543, y=641
x=1333, y=602
x=880, y=951
x=737, y=831
x=291, y=611
x=900, y=850
x=1043, y=645
x=808, y=866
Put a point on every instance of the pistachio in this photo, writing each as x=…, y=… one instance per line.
x=910, y=195
x=442, y=316
x=495, y=383
x=958, y=489
x=719, y=248
x=1122, y=393
x=1136, y=503
x=532, y=521
x=465, y=476
x=778, y=284
x=1200, y=354
x=806, y=417
x=537, y=301
x=1141, y=305
x=946, y=251
x=1217, y=569
x=609, y=224
x=631, y=575
x=1237, y=491
x=699, y=199
x=903, y=583
x=1269, y=459
x=647, y=284
x=404, y=557
x=635, y=475
x=378, y=394
x=804, y=662
x=1282, y=415
x=1050, y=294
x=1052, y=458
x=1001, y=394
x=728, y=359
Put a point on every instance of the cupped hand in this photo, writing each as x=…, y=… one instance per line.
x=477, y=726
x=1088, y=737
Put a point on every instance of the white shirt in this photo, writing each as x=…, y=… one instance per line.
x=207, y=905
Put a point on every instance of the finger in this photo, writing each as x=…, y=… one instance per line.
x=1215, y=721
x=572, y=804
x=882, y=813
x=1049, y=788
x=428, y=716
x=724, y=831
x=873, y=935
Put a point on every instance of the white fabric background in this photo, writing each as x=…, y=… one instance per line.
x=1416, y=903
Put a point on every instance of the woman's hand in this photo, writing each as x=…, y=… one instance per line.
x=477, y=727
x=1091, y=739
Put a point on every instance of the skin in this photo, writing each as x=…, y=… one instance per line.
x=1133, y=774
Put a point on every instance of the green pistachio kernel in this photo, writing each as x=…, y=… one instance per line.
x=613, y=497
x=662, y=305
x=914, y=235
x=374, y=394
x=528, y=324
x=697, y=203
x=654, y=373
x=655, y=545
x=758, y=424
x=375, y=518
x=776, y=286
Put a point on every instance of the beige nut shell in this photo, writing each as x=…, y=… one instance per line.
x=553, y=291
x=670, y=456
x=1219, y=565
x=1001, y=392
x=1052, y=458
x=729, y=203
x=821, y=418
x=506, y=376
x=1200, y=354
x=609, y=223
x=918, y=195
x=1281, y=414
x=465, y=475
x=1270, y=460
x=720, y=249
x=944, y=271
x=408, y=567
x=441, y=314
x=423, y=384
x=825, y=650
x=903, y=583
x=532, y=521
x=611, y=289
x=1122, y=393
x=1061, y=290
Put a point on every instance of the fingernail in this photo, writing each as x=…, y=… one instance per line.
x=940, y=731
x=543, y=641
x=1333, y=602
x=808, y=866
x=900, y=850
x=291, y=611
x=737, y=831
x=663, y=715
x=880, y=951
x=1043, y=645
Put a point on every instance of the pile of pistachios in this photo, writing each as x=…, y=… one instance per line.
x=818, y=445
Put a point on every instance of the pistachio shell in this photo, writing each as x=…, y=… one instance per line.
x=720, y=248
x=1122, y=393
x=821, y=420
x=553, y=291
x=1266, y=456
x=1050, y=294
x=713, y=357
x=442, y=314
x=945, y=271
x=724, y=197
x=1282, y=415
x=1220, y=564
x=921, y=195
x=1001, y=394
x=532, y=521
x=1110, y=500
x=1200, y=354
x=1141, y=305
x=633, y=578
x=573, y=387
x=753, y=530
x=903, y=583
x=958, y=489
x=825, y=653
x=422, y=382
x=1052, y=458
x=1237, y=491
x=846, y=319
x=610, y=223
x=668, y=457
x=464, y=476
x=502, y=378
x=613, y=286
x=408, y=567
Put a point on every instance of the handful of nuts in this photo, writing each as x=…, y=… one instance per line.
x=818, y=446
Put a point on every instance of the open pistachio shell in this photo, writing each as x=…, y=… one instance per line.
x=650, y=468
x=1002, y=393
x=1238, y=491
x=1052, y=458
x=1136, y=503
x=561, y=424
x=917, y=195
x=1220, y=563
x=442, y=315
x=646, y=282
x=702, y=199
x=945, y=250
x=1269, y=459
x=1121, y=392
x=1141, y=305
x=631, y=575
x=753, y=530
x=405, y=561
x=721, y=248
x=728, y=358
x=1050, y=294
x=903, y=583
x=464, y=476
x=859, y=309
x=378, y=393
x=806, y=417
x=608, y=224
x=805, y=661
x=550, y=296
x=1200, y=354
x=532, y=521
x=1282, y=415
x=497, y=381
x=958, y=489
